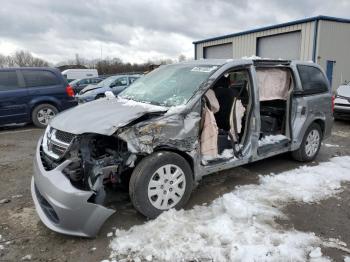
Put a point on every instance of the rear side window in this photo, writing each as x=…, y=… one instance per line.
x=132, y=79
x=120, y=82
x=312, y=79
x=34, y=78
x=8, y=80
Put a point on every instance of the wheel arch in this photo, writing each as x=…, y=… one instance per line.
x=186, y=156
x=49, y=101
x=321, y=123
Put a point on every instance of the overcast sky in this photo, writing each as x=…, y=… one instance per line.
x=139, y=30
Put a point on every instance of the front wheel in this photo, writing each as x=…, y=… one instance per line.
x=310, y=145
x=160, y=182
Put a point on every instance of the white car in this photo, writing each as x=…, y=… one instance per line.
x=72, y=74
x=342, y=102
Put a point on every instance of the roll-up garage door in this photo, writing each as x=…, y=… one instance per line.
x=218, y=51
x=285, y=46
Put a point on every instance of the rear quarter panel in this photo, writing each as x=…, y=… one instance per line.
x=53, y=94
x=307, y=109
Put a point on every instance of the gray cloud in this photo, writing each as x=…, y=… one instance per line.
x=136, y=30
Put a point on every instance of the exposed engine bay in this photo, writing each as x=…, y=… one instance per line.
x=95, y=160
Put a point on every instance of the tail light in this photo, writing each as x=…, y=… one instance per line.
x=333, y=98
x=69, y=91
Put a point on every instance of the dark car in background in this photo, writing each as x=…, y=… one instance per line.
x=80, y=84
x=33, y=95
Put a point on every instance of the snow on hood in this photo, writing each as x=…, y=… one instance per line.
x=89, y=88
x=102, y=116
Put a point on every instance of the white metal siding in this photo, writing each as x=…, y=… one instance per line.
x=218, y=51
x=334, y=44
x=287, y=46
x=246, y=45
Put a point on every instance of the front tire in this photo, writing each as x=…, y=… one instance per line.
x=42, y=114
x=311, y=144
x=161, y=181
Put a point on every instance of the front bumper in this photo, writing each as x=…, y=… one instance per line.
x=342, y=111
x=62, y=207
x=81, y=99
x=69, y=103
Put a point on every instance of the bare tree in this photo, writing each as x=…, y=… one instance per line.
x=3, y=61
x=25, y=59
x=10, y=61
x=182, y=58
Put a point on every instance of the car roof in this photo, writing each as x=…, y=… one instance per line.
x=242, y=61
x=30, y=68
x=246, y=61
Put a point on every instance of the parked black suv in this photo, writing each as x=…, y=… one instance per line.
x=33, y=95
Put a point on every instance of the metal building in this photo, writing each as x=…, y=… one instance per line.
x=322, y=39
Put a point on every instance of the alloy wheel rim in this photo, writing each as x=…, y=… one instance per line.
x=312, y=143
x=44, y=115
x=166, y=187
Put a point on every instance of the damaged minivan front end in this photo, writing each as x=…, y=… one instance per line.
x=72, y=168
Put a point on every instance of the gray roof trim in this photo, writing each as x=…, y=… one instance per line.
x=300, y=21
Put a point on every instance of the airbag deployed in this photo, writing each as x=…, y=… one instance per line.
x=273, y=84
x=209, y=136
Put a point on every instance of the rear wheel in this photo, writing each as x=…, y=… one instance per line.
x=160, y=182
x=310, y=145
x=42, y=114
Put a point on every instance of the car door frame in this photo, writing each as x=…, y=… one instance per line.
x=11, y=102
x=122, y=87
x=252, y=127
x=305, y=113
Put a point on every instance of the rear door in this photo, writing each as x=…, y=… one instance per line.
x=132, y=79
x=311, y=99
x=13, y=98
x=43, y=84
x=119, y=84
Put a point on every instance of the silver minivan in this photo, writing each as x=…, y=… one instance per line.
x=114, y=84
x=170, y=128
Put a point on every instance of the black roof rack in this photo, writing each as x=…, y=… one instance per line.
x=271, y=62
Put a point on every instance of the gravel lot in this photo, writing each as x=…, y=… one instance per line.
x=23, y=236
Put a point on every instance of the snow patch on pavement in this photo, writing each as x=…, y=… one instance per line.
x=271, y=139
x=239, y=226
x=330, y=145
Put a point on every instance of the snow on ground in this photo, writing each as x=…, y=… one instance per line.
x=330, y=145
x=271, y=139
x=226, y=154
x=239, y=226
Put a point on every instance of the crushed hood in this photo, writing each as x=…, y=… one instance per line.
x=102, y=116
x=89, y=88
